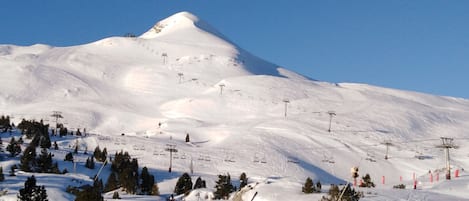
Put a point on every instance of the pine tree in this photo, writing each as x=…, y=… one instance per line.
x=308, y=186
x=2, y=176
x=90, y=193
x=75, y=151
x=199, y=183
x=187, y=138
x=103, y=155
x=318, y=187
x=367, y=182
x=148, y=181
x=243, y=180
x=183, y=185
x=129, y=176
x=90, y=163
x=223, y=187
x=112, y=183
x=116, y=195
x=69, y=157
x=12, y=170
x=97, y=154
x=155, y=190
x=14, y=148
x=348, y=195
x=28, y=159
x=44, y=162
x=32, y=192
x=55, y=168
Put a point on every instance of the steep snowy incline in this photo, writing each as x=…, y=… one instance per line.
x=243, y=114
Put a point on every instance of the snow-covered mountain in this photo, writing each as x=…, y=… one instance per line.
x=189, y=77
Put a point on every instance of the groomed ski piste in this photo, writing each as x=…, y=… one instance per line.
x=243, y=114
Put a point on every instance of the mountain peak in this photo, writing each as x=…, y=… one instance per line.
x=180, y=21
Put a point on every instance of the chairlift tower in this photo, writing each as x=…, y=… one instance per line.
x=181, y=76
x=171, y=148
x=286, y=101
x=387, y=144
x=165, y=56
x=447, y=143
x=331, y=114
x=221, y=88
x=57, y=115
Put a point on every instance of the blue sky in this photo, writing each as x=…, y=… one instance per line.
x=412, y=45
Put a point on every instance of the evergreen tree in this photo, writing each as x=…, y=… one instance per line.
x=45, y=142
x=76, y=148
x=44, y=162
x=55, y=168
x=348, y=195
x=90, y=163
x=32, y=192
x=129, y=176
x=199, y=183
x=318, y=187
x=367, y=182
x=90, y=193
x=112, y=183
x=155, y=190
x=14, y=148
x=63, y=131
x=223, y=187
x=56, y=146
x=115, y=195
x=28, y=159
x=69, y=157
x=187, y=138
x=243, y=180
x=2, y=176
x=97, y=154
x=183, y=185
x=308, y=186
x=148, y=181
x=12, y=170
x=104, y=155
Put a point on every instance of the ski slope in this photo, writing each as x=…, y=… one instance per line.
x=187, y=76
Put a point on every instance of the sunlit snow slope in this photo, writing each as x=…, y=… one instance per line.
x=187, y=76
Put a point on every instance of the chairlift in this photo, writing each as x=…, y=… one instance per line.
x=293, y=160
x=256, y=160
x=207, y=158
x=201, y=158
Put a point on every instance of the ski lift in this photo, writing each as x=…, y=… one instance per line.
x=201, y=157
x=256, y=158
x=263, y=159
x=370, y=156
x=292, y=160
x=207, y=158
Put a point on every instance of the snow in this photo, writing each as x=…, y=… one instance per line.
x=172, y=74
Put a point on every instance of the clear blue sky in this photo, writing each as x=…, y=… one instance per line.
x=419, y=45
